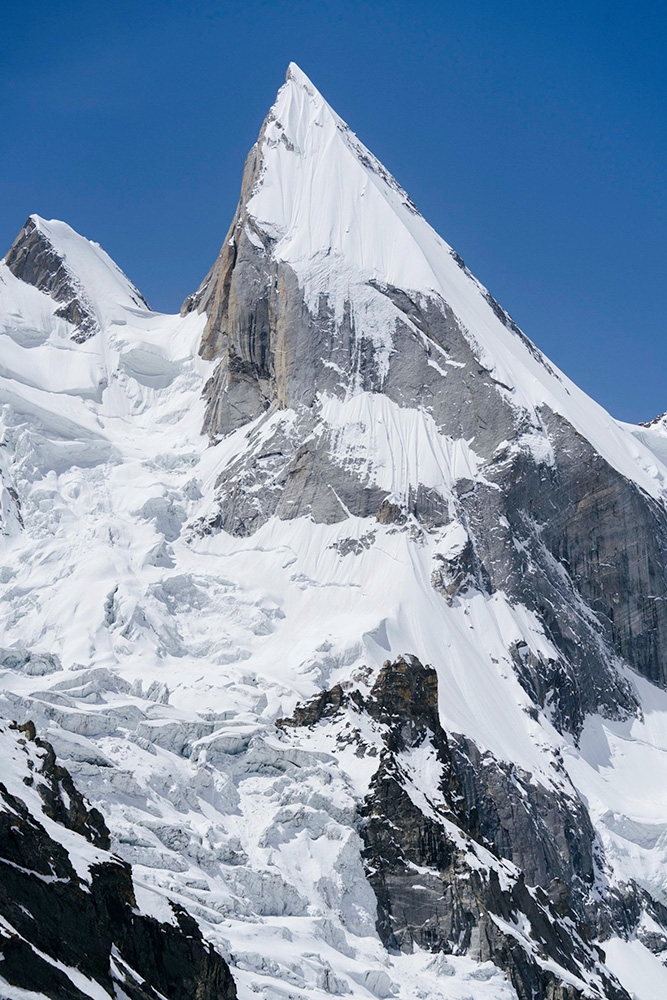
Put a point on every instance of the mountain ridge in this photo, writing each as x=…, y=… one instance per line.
x=341, y=462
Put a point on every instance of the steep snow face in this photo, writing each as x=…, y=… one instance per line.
x=321, y=193
x=342, y=222
x=90, y=288
x=175, y=646
x=110, y=291
x=653, y=435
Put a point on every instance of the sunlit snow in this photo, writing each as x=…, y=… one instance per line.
x=179, y=651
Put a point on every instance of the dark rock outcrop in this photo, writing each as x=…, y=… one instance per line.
x=486, y=861
x=53, y=921
x=585, y=549
x=34, y=259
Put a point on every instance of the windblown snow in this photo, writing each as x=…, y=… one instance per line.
x=173, y=653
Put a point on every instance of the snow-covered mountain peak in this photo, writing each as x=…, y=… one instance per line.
x=297, y=76
x=86, y=259
x=89, y=287
x=294, y=72
x=324, y=236
x=320, y=191
x=404, y=519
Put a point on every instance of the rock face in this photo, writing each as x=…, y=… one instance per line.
x=467, y=855
x=579, y=516
x=36, y=258
x=63, y=932
x=551, y=522
x=33, y=259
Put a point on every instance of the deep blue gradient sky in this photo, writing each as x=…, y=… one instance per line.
x=533, y=136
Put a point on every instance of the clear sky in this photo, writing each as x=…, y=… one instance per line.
x=532, y=135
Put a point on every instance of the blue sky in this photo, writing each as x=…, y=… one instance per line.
x=533, y=136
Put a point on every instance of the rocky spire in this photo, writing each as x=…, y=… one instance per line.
x=406, y=387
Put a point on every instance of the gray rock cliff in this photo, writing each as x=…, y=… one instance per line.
x=55, y=927
x=556, y=528
x=434, y=854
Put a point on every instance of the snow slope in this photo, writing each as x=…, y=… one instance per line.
x=341, y=221
x=180, y=650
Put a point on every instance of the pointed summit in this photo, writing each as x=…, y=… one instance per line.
x=296, y=75
x=314, y=198
x=330, y=284
x=74, y=272
x=321, y=191
x=314, y=191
